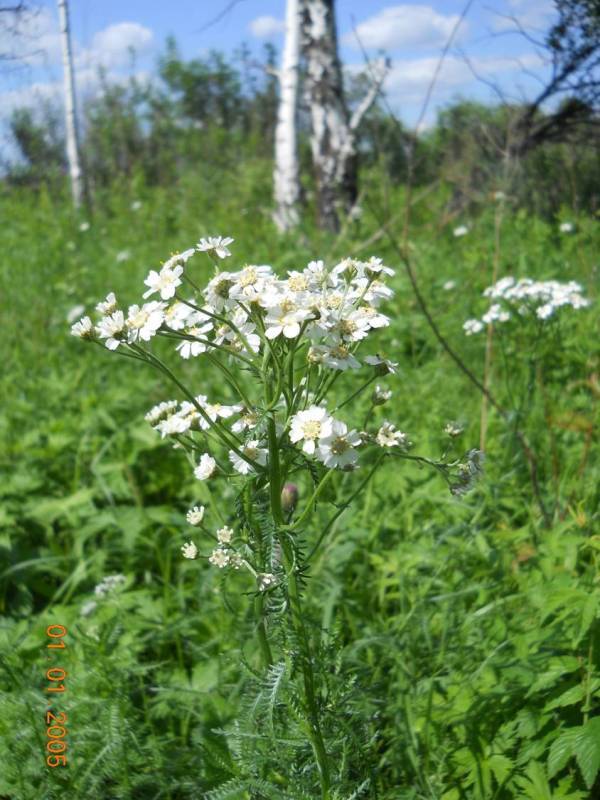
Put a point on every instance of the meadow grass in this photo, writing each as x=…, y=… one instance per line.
x=465, y=630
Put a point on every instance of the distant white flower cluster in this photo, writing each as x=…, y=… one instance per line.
x=109, y=584
x=525, y=297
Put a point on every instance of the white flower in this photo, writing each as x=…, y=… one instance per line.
x=250, y=450
x=206, y=468
x=109, y=305
x=449, y=285
x=495, y=313
x=217, y=243
x=310, y=426
x=472, y=326
x=566, y=227
x=545, y=311
x=165, y=282
x=337, y=449
x=178, y=315
x=195, y=515
x=247, y=421
x=84, y=328
x=453, y=430
x=249, y=283
x=388, y=436
x=338, y=357
x=75, y=312
x=85, y=226
x=499, y=196
x=225, y=535
x=88, y=608
x=384, y=365
x=189, y=550
x=109, y=584
x=136, y=205
x=219, y=557
x=376, y=266
x=265, y=580
x=380, y=395
x=190, y=348
x=143, y=323
x=281, y=320
x=215, y=411
x=461, y=230
x=122, y=255
x=112, y=329
x=178, y=258
x=160, y=411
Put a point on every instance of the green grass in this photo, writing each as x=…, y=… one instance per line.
x=466, y=632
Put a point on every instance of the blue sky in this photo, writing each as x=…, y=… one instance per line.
x=411, y=34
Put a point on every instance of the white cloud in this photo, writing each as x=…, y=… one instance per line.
x=112, y=46
x=404, y=26
x=409, y=79
x=110, y=49
x=266, y=27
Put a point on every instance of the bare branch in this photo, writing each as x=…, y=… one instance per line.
x=378, y=73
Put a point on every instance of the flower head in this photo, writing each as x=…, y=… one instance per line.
x=219, y=557
x=164, y=282
x=388, y=436
x=251, y=450
x=225, y=535
x=337, y=449
x=206, y=468
x=218, y=244
x=309, y=426
x=195, y=515
x=189, y=550
x=112, y=328
x=84, y=328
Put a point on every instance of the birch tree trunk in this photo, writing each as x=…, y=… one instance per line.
x=75, y=172
x=336, y=177
x=333, y=137
x=286, y=173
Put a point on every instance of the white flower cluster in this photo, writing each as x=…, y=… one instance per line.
x=527, y=296
x=333, y=308
x=109, y=584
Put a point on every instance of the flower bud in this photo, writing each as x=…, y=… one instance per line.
x=289, y=497
x=380, y=395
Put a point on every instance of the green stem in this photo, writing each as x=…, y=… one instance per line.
x=324, y=480
x=314, y=727
x=261, y=628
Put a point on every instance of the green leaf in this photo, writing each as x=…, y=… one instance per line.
x=587, y=750
x=556, y=668
x=562, y=749
x=501, y=767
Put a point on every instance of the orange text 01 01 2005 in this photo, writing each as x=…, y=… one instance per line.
x=56, y=731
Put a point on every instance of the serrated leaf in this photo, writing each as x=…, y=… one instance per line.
x=573, y=695
x=501, y=767
x=557, y=667
x=562, y=749
x=587, y=750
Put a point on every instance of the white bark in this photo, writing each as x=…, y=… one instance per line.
x=286, y=173
x=75, y=172
x=333, y=137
